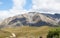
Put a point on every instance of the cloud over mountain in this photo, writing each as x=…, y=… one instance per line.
x=16, y=9
x=53, y=5
x=44, y=6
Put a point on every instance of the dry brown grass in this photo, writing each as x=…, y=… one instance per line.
x=28, y=32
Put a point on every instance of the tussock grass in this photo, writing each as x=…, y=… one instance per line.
x=4, y=34
x=26, y=31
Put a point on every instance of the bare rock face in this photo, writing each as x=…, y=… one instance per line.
x=31, y=19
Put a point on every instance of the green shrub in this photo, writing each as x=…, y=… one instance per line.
x=54, y=33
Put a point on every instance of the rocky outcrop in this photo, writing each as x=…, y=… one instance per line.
x=31, y=19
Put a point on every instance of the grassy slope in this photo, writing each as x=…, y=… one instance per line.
x=28, y=32
x=4, y=34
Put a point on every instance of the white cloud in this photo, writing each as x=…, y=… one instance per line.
x=16, y=9
x=52, y=5
x=41, y=5
x=18, y=4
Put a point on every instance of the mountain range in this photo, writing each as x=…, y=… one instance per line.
x=32, y=19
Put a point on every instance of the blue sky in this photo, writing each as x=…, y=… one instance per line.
x=6, y=4
x=10, y=8
x=45, y=5
x=13, y=7
x=28, y=4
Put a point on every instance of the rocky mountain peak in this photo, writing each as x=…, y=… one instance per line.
x=31, y=19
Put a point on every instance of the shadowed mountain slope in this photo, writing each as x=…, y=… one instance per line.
x=32, y=19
